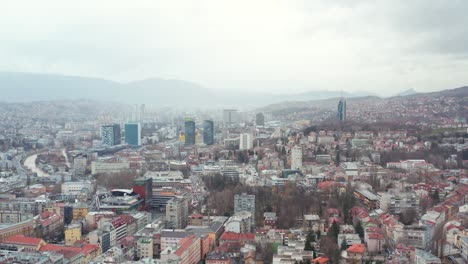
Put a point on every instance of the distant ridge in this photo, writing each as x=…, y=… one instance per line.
x=408, y=92
x=27, y=87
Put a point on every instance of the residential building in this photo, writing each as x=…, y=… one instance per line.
x=245, y=202
x=189, y=250
x=395, y=202
x=355, y=253
x=464, y=247
x=72, y=234
x=177, y=212
x=145, y=248
x=240, y=222
x=20, y=228
x=217, y=257
x=79, y=166
x=296, y=158
x=101, y=237
x=28, y=243
x=246, y=141
x=369, y=199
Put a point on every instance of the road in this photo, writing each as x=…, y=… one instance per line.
x=30, y=163
x=64, y=153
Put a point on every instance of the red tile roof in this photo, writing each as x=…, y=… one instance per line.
x=375, y=236
x=231, y=236
x=356, y=248
x=85, y=248
x=320, y=260
x=46, y=214
x=185, y=243
x=23, y=240
x=196, y=216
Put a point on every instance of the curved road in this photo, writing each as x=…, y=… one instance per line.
x=30, y=163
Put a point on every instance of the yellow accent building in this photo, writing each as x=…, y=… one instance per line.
x=72, y=234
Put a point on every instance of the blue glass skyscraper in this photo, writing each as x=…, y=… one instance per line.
x=342, y=110
x=133, y=134
x=189, y=132
x=208, y=132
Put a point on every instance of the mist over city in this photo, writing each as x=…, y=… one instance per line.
x=225, y=132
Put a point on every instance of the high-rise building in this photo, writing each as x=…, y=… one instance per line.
x=144, y=187
x=79, y=166
x=230, y=116
x=177, y=212
x=133, y=134
x=245, y=202
x=342, y=109
x=189, y=132
x=260, y=119
x=296, y=158
x=110, y=135
x=245, y=141
x=208, y=132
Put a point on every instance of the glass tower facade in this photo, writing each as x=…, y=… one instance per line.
x=208, y=132
x=133, y=134
x=189, y=132
x=342, y=110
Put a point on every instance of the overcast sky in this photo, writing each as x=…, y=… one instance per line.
x=263, y=45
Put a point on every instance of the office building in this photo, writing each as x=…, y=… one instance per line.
x=110, y=135
x=144, y=187
x=245, y=202
x=189, y=132
x=246, y=141
x=177, y=212
x=260, y=119
x=342, y=110
x=79, y=165
x=133, y=134
x=230, y=116
x=296, y=158
x=208, y=132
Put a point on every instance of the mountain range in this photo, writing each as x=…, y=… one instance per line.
x=27, y=87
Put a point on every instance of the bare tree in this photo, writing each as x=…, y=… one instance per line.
x=408, y=216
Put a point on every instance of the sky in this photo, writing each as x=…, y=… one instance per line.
x=254, y=45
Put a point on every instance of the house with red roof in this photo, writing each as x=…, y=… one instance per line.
x=79, y=253
x=50, y=224
x=355, y=253
x=28, y=243
x=374, y=239
x=242, y=238
x=189, y=250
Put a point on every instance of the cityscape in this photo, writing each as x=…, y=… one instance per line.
x=309, y=144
